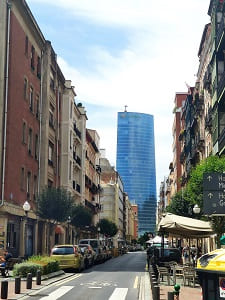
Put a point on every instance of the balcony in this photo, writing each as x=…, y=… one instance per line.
x=200, y=141
x=208, y=120
x=77, y=131
x=219, y=32
x=182, y=157
x=221, y=85
x=91, y=206
x=221, y=140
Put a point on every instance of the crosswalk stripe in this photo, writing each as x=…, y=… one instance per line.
x=58, y=293
x=119, y=294
x=67, y=279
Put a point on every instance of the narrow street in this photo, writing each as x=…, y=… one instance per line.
x=119, y=278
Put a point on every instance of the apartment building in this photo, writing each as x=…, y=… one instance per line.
x=20, y=131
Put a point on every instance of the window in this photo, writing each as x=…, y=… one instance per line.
x=50, y=153
x=51, y=116
x=30, y=141
x=38, y=67
x=35, y=186
x=52, y=80
x=25, y=86
x=71, y=110
x=50, y=183
x=71, y=136
x=37, y=107
x=26, y=46
x=36, y=147
x=31, y=99
x=28, y=185
x=24, y=133
x=32, y=57
x=11, y=236
x=22, y=178
x=70, y=170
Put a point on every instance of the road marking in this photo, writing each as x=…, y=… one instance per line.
x=95, y=287
x=58, y=293
x=136, y=282
x=119, y=294
x=67, y=279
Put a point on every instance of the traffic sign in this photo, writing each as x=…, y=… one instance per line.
x=214, y=181
x=213, y=202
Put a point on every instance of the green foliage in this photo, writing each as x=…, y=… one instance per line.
x=107, y=227
x=180, y=204
x=193, y=193
x=24, y=268
x=54, y=204
x=143, y=238
x=81, y=216
x=48, y=264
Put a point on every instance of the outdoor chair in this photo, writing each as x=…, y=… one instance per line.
x=189, y=275
x=163, y=271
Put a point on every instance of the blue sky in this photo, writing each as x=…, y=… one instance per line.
x=126, y=52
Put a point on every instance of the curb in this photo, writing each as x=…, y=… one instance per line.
x=145, y=292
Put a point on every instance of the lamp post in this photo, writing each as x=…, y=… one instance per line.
x=68, y=228
x=99, y=229
x=26, y=208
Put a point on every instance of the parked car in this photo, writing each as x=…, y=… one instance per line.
x=68, y=256
x=97, y=246
x=89, y=254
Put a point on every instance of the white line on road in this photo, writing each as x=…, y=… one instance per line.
x=119, y=294
x=136, y=282
x=95, y=287
x=67, y=279
x=58, y=293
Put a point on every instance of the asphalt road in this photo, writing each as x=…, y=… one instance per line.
x=116, y=279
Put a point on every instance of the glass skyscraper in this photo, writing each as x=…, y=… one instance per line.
x=135, y=163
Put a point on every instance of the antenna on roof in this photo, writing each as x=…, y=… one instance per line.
x=125, y=108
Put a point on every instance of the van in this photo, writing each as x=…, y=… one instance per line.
x=96, y=245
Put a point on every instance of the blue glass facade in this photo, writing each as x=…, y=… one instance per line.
x=135, y=163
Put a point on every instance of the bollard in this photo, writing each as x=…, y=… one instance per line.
x=17, y=285
x=154, y=283
x=156, y=292
x=4, y=290
x=38, y=277
x=176, y=291
x=170, y=296
x=29, y=281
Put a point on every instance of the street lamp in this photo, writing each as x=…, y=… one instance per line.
x=26, y=208
x=99, y=229
x=196, y=209
x=68, y=228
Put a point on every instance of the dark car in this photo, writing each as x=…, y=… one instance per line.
x=169, y=254
x=158, y=255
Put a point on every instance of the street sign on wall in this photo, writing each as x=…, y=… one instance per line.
x=214, y=193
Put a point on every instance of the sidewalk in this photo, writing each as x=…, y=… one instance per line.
x=24, y=291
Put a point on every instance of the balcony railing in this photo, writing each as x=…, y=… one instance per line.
x=208, y=120
x=221, y=85
x=221, y=139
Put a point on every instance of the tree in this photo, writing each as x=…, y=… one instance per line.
x=54, y=204
x=143, y=238
x=107, y=227
x=193, y=194
x=81, y=216
x=180, y=204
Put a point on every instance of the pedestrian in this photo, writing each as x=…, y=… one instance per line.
x=4, y=259
x=185, y=253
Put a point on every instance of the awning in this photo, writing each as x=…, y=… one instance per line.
x=59, y=229
x=184, y=227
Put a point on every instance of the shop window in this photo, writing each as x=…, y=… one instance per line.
x=11, y=236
